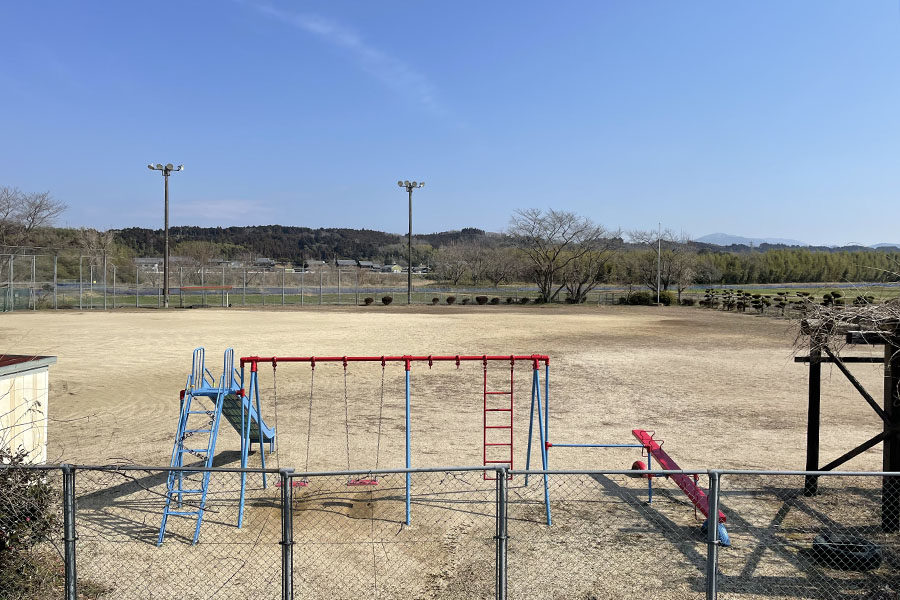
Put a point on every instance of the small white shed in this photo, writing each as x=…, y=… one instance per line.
x=24, y=399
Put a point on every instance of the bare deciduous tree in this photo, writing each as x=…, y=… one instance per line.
x=670, y=256
x=451, y=263
x=96, y=244
x=21, y=213
x=553, y=241
x=503, y=266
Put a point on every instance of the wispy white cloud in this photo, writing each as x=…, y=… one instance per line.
x=223, y=210
x=389, y=70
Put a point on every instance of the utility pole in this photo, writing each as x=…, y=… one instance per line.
x=658, y=259
x=409, y=188
x=166, y=170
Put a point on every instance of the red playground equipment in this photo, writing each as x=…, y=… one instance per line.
x=687, y=484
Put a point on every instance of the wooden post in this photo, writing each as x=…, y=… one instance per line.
x=890, y=486
x=811, y=488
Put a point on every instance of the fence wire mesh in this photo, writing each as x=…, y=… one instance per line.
x=352, y=541
x=606, y=540
x=787, y=544
x=31, y=534
x=118, y=517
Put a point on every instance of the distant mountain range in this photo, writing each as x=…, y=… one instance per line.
x=726, y=239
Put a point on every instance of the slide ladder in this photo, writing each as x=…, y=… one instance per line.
x=498, y=424
x=198, y=430
x=195, y=444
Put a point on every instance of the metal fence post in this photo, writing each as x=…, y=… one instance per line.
x=181, y=287
x=339, y=285
x=105, y=284
x=55, y=280
x=283, y=271
x=287, y=535
x=80, y=283
x=33, y=281
x=137, y=287
x=357, y=287
x=321, y=272
x=70, y=592
x=501, y=537
x=302, y=271
x=114, y=286
x=244, y=290
x=712, y=538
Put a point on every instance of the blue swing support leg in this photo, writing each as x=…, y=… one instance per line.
x=543, y=415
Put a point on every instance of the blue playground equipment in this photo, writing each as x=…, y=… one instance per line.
x=198, y=430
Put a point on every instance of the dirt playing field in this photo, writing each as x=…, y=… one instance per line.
x=721, y=389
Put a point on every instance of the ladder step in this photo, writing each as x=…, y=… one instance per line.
x=498, y=410
x=186, y=491
x=507, y=444
x=182, y=513
x=199, y=412
x=497, y=462
x=498, y=426
x=192, y=451
x=498, y=393
x=198, y=430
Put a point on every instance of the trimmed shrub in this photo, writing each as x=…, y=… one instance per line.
x=510, y=300
x=466, y=300
x=368, y=301
x=387, y=300
x=641, y=299
x=481, y=299
x=435, y=300
x=687, y=301
x=523, y=300
x=451, y=299
x=667, y=298
x=622, y=300
x=495, y=301
x=539, y=300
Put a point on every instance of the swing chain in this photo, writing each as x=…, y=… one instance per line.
x=312, y=379
x=380, y=411
x=346, y=414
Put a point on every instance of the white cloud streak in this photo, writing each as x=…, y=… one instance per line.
x=390, y=71
x=223, y=210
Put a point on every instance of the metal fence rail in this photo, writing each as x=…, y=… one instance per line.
x=331, y=535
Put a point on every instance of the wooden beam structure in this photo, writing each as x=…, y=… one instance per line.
x=889, y=413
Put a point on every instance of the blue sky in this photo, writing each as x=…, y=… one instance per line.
x=775, y=119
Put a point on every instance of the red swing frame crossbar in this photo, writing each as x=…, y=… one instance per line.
x=457, y=358
x=535, y=359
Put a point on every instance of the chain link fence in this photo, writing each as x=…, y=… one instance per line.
x=92, y=532
x=76, y=281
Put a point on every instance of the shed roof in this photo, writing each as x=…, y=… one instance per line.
x=11, y=364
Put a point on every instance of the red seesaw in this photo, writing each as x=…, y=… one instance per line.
x=697, y=497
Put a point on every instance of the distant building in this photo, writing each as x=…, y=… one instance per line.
x=392, y=268
x=346, y=263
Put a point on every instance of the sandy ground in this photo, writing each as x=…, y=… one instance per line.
x=721, y=389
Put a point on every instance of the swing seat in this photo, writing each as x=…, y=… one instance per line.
x=294, y=483
x=362, y=481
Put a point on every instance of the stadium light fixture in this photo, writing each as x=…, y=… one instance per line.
x=409, y=188
x=166, y=171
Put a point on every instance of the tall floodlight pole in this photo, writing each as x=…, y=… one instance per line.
x=658, y=259
x=410, y=186
x=166, y=170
